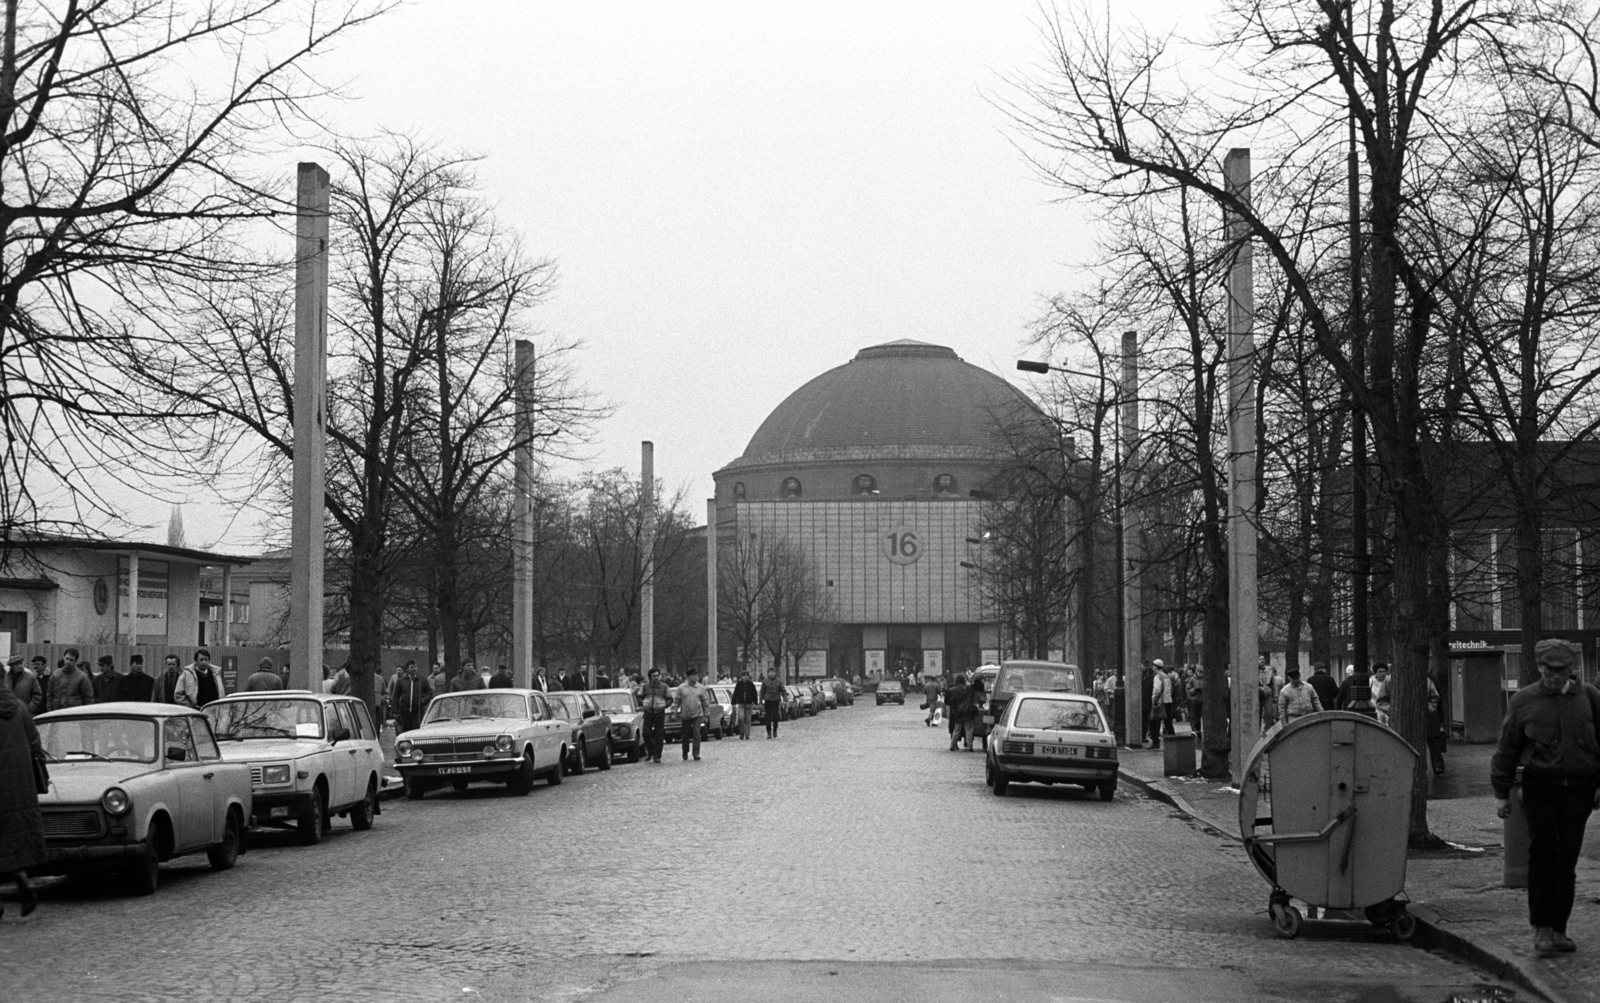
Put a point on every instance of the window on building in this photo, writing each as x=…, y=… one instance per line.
x=1475, y=579
x=16, y=622
x=790, y=488
x=944, y=484
x=1558, y=580
x=738, y=491
x=241, y=612
x=864, y=484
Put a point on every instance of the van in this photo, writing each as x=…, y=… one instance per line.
x=1019, y=674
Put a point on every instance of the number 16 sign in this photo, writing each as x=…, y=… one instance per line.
x=901, y=544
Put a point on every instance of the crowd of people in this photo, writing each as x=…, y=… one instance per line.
x=40, y=688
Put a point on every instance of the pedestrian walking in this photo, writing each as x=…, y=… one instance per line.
x=541, y=680
x=437, y=680
x=137, y=685
x=771, y=702
x=342, y=684
x=1159, y=701
x=1195, y=692
x=744, y=698
x=107, y=682
x=1296, y=699
x=199, y=683
x=1380, y=692
x=25, y=685
x=263, y=678
x=380, y=697
x=501, y=680
x=1433, y=729
x=1267, y=687
x=167, y=684
x=23, y=777
x=1355, y=693
x=694, y=705
x=573, y=680
x=654, y=698
x=930, y=699
x=1549, y=731
x=409, y=695
x=963, y=714
x=1327, y=689
x=70, y=685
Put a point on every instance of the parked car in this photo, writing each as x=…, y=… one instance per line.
x=1018, y=674
x=802, y=701
x=986, y=674
x=714, y=723
x=1052, y=737
x=890, y=691
x=627, y=721
x=843, y=692
x=590, y=741
x=311, y=756
x=830, y=695
x=723, y=695
x=135, y=784
x=505, y=736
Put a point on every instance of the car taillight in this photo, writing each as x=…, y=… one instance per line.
x=1017, y=748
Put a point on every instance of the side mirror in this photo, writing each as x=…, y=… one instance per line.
x=589, y=712
x=177, y=753
x=340, y=735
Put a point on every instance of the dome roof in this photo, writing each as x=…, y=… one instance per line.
x=903, y=393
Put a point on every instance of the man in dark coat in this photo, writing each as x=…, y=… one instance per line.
x=501, y=680
x=21, y=829
x=961, y=712
x=409, y=695
x=24, y=684
x=107, y=683
x=167, y=684
x=1327, y=689
x=264, y=678
x=744, y=700
x=137, y=684
x=1355, y=693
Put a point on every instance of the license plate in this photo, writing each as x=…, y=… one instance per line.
x=280, y=813
x=443, y=770
x=1070, y=751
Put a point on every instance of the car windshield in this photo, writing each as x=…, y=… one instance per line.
x=889, y=686
x=246, y=719
x=1044, y=714
x=565, y=705
x=1016, y=678
x=462, y=706
x=615, y=703
x=722, y=693
x=119, y=739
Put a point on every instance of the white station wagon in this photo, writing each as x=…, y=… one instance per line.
x=505, y=736
x=134, y=784
x=1050, y=737
x=311, y=756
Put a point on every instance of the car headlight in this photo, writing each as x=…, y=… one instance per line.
x=503, y=743
x=416, y=755
x=275, y=774
x=402, y=748
x=115, y=801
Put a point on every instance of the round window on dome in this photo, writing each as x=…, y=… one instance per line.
x=864, y=484
x=944, y=484
x=790, y=488
x=738, y=491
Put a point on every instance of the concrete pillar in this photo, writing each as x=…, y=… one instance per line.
x=1243, y=631
x=647, y=555
x=133, y=597
x=522, y=531
x=310, y=409
x=1132, y=557
x=227, y=606
x=711, y=587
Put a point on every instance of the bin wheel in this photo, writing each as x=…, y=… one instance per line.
x=1286, y=921
x=1403, y=926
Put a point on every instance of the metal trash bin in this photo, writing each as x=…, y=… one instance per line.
x=1177, y=755
x=1340, y=793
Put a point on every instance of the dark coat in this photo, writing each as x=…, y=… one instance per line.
x=744, y=691
x=138, y=686
x=21, y=831
x=500, y=680
x=957, y=703
x=1327, y=689
x=107, y=686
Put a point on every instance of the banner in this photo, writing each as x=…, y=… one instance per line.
x=152, y=598
x=875, y=664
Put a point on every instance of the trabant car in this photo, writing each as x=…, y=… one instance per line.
x=590, y=741
x=1052, y=737
x=503, y=736
x=890, y=690
x=1017, y=674
x=627, y=721
x=134, y=784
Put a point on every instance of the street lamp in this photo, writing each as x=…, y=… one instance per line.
x=1119, y=701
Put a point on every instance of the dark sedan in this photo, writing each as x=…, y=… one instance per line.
x=591, y=729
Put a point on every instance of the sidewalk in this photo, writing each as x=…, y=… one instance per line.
x=1457, y=894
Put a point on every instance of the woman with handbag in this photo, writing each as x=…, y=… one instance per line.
x=23, y=777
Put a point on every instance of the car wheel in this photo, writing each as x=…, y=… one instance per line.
x=414, y=789
x=580, y=761
x=313, y=823
x=521, y=782
x=362, y=814
x=1000, y=784
x=636, y=750
x=554, y=777
x=226, y=853
x=145, y=871
x=1108, y=790
x=988, y=772
x=605, y=756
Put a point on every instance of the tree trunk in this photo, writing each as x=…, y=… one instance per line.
x=365, y=600
x=1530, y=580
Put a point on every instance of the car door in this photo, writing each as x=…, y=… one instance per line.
x=341, y=761
x=369, y=753
x=594, y=730
x=547, y=732
x=210, y=758
x=194, y=825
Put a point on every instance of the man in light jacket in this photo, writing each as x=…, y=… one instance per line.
x=693, y=705
x=1296, y=699
x=199, y=683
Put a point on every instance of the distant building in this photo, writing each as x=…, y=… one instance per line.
x=875, y=470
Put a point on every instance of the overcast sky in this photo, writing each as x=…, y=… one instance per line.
x=739, y=196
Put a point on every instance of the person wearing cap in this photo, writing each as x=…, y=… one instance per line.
x=263, y=678
x=1296, y=699
x=41, y=671
x=25, y=685
x=137, y=685
x=1550, y=732
x=1160, y=701
x=107, y=683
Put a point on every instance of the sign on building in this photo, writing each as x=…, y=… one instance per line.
x=875, y=663
x=813, y=664
x=152, y=597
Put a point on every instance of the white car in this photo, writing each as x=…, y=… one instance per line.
x=1050, y=737
x=311, y=756
x=134, y=784
x=505, y=736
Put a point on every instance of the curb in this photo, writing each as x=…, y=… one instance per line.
x=1430, y=935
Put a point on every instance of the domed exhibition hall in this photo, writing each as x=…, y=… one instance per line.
x=875, y=470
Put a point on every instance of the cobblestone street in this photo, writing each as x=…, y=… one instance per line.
x=854, y=857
